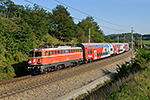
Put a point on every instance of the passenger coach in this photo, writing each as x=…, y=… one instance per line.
x=93, y=51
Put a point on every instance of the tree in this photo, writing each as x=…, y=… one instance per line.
x=96, y=33
x=107, y=39
x=64, y=27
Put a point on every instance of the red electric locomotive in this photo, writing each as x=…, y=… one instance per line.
x=53, y=58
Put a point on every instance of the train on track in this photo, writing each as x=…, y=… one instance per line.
x=47, y=58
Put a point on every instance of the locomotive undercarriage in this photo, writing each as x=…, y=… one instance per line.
x=38, y=69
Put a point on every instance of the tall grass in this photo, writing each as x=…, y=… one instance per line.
x=137, y=88
x=126, y=74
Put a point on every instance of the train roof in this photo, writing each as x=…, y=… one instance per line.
x=92, y=44
x=55, y=48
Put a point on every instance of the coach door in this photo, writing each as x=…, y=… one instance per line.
x=95, y=54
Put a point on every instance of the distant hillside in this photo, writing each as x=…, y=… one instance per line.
x=146, y=37
x=126, y=37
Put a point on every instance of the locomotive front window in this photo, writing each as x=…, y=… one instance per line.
x=31, y=54
x=38, y=54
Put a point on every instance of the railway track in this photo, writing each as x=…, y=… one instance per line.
x=10, y=87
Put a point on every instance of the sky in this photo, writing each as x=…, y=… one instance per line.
x=113, y=16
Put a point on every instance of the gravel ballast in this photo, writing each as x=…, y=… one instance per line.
x=56, y=90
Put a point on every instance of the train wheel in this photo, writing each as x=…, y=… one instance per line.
x=75, y=64
x=71, y=64
x=58, y=67
x=85, y=62
x=89, y=60
x=78, y=63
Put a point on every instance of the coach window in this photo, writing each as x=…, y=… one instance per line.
x=49, y=53
x=61, y=51
x=58, y=51
x=69, y=51
x=111, y=49
x=55, y=52
x=46, y=53
x=64, y=51
x=88, y=52
x=91, y=51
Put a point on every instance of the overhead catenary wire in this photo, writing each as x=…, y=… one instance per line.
x=47, y=8
x=75, y=17
x=92, y=16
x=37, y=4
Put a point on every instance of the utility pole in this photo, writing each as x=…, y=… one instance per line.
x=141, y=41
x=138, y=43
x=124, y=37
x=132, y=45
x=118, y=38
x=89, y=35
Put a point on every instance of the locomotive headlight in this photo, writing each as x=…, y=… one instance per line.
x=29, y=62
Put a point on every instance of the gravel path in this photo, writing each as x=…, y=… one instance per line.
x=59, y=88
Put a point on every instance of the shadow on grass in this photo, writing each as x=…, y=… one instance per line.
x=20, y=69
x=104, y=91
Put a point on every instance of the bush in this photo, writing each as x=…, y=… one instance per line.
x=17, y=58
x=123, y=70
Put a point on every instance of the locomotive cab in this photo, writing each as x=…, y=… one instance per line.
x=34, y=60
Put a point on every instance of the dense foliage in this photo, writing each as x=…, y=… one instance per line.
x=23, y=28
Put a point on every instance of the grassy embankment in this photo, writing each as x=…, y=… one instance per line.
x=131, y=82
x=146, y=42
x=137, y=88
x=134, y=87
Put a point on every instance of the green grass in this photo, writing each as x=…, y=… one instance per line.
x=138, y=88
x=146, y=42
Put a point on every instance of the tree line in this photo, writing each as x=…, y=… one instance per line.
x=23, y=25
